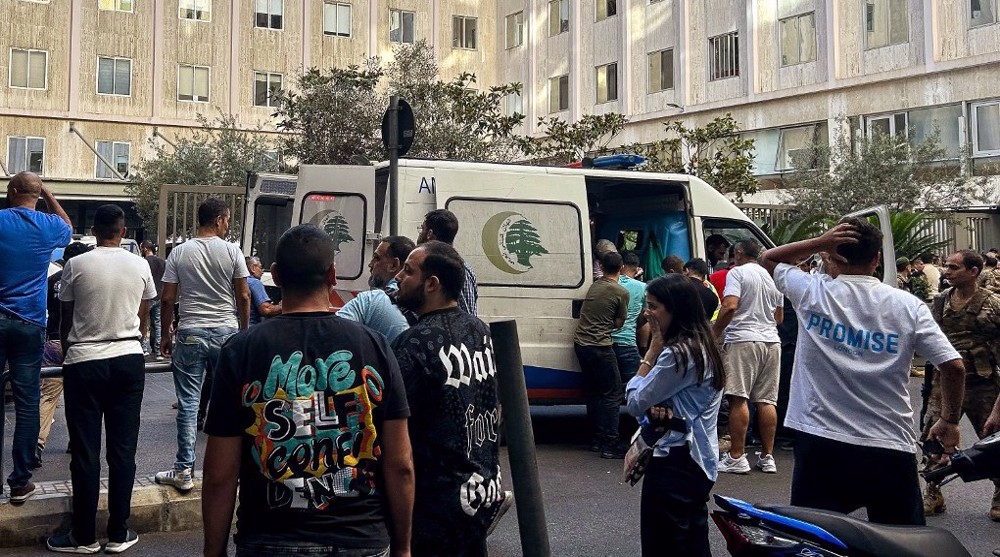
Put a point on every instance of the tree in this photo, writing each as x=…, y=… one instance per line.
x=522, y=240
x=894, y=171
x=335, y=225
x=336, y=116
x=219, y=154
x=565, y=142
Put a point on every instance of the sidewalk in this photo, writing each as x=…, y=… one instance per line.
x=154, y=508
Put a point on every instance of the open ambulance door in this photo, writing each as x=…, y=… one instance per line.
x=267, y=215
x=880, y=216
x=526, y=236
x=340, y=200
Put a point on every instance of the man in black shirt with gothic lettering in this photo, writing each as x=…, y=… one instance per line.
x=447, y=364
x=308, y=418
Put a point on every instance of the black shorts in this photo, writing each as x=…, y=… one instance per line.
x=841, y=477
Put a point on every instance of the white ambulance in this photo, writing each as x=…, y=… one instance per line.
x=526, y=231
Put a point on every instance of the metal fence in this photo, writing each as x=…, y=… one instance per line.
x=177, y=218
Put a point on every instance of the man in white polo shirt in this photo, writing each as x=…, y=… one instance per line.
x=849, y=400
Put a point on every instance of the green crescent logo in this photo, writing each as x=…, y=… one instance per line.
x=510, y=241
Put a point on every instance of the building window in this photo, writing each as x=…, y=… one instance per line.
x=559, y=93
x=795, y=148
x=28, y=68
x=114, y=76
x=798, y=39
x=606, y=9
x=116, y=153
x=607, y=83
x=515, y=104
x=558, y=17
x=661, y=71
x=25, y=153
x=193, y=83
x=115, y=5
x=514, y=26
x=945, y=121
x=401, y=26
x=985, y=129
x=269, y=14
x=337, y=19
x=887, y=22
x=724, y=56
x=198, y=10
x=463, y=32
x=982, y=12
x=264, y=86
x=887, y=124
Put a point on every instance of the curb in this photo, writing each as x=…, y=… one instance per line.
x=155, y=508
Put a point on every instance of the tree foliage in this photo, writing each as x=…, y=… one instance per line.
x=565, y=142
x=879, y=170
x=218, y=154
x=335, y=116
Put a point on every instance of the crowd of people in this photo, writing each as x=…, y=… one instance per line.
x=817, y=308
x=370, y=432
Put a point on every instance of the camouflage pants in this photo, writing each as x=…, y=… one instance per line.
x=980, y=395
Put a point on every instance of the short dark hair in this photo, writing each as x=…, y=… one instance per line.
x=928, y=257
x=629, y=259
x=399, y=246
x=698, y=265
x=868, y=245
x=443, y=223
x=611, y=262
x=750, y=247
x=75, y=249
x=303, y=258
x=443, y=262
x=108, y=221
x=211, y=209
x=716, y=239
x=990, y=261
x=971, y=259
x=146, y=244
x=672, y=264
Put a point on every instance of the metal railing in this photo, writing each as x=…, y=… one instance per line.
x=47, y=373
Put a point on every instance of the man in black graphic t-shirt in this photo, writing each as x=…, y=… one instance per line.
x=310, y=409
x=447, y=364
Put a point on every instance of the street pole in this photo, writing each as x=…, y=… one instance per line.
x=394, y=165
x=520, y=440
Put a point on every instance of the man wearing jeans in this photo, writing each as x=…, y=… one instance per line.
x=157, y=265
x=211, y=275
x=27, y=238
x=105, y=297
x=626, y=350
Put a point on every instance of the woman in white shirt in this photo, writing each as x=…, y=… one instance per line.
x=681, y=377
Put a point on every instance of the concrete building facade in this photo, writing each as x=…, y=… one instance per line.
x=108, y=75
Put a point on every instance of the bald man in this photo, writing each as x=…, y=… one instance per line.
x=27, y=238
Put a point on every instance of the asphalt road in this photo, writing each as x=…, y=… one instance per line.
x=589, y=511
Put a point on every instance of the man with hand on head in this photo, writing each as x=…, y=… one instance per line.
x=353, y=496
x=849, y=400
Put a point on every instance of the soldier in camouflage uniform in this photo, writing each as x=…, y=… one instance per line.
x=970, y=317
x=989, y=278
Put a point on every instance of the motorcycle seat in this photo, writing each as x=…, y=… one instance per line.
x=877, y=540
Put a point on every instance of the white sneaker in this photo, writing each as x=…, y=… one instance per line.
x=131, y=538
x=732, y=465
x=183, y=480
x=765, y=463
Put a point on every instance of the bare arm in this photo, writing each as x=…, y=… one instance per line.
x=797, y=251
x=144, y=318
x=779, y=315
x=54, y=205
x=242, y=292
x=65, y=324
x=267, y=309
x=398, y=469
x=993, y=422
x=952, y=394
x=222, y=469
x=726, y=312
x=167, y=301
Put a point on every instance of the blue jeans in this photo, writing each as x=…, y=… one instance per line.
x=628, y=360
x=152, y=344
x=21, y=346
x=195, y=349
x=263, y=545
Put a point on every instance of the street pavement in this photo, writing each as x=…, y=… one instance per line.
x=589, y=511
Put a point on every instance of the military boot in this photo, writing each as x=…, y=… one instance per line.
x=933, y=500
x=995, y=506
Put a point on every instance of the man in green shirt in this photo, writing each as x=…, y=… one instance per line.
x=603, y=311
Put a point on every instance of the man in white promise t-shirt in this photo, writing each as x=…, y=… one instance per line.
x=748, y=322
x=211, y=275
x=849, y=400
x=105, y=296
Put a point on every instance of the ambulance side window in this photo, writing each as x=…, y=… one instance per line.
x=342, y=216
x=732, y=231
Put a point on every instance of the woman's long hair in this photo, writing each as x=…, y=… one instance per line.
x=689, y=334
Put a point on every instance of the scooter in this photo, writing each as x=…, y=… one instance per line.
x=785, y=531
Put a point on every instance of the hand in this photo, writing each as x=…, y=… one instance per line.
x=841, y=234
x=947, y=433
x=993, y=422
x=166, y=345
